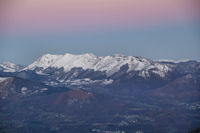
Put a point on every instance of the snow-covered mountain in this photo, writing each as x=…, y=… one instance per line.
x=10, y=67
x=89, y=70
x=108, y=64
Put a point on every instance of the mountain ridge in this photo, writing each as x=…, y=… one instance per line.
x=84, y=70
x=109, y=64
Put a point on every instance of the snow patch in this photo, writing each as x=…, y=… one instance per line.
x=2, y=79
x=23, y=90
x=85, y=81
x=40, y=73
x=107, y=82
x=43, y=89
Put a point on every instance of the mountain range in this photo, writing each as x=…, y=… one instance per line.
x=89, y=93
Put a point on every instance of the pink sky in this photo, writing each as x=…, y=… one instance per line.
x=72, y=15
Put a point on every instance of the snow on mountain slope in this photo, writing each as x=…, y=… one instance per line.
x=9, y=67
x=44, y=61
x=2, y=79
x=109, y=64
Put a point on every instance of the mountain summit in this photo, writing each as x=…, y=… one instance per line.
x=10, y=67
x=108, y=64
x=85, y=70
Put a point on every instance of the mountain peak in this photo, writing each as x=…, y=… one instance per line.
x=10, y=67
x=108, y=64
x=44, y=61
x=9, y=64
x=86, y=55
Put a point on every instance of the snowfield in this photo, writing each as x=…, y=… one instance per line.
x=109, y=64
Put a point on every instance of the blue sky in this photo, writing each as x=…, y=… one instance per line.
x=160, y=42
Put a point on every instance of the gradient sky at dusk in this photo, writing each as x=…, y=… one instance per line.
x=155, y=28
